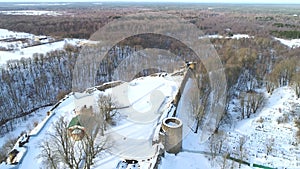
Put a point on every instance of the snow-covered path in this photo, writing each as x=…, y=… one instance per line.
x=22, y=125
x=31, y=158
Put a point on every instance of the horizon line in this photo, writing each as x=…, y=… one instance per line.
x=156, y=1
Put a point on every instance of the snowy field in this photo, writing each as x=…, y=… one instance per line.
x=292, y=43
x=235, y=36
x=4, y=34
x=30, y=12
x=18, y=45
x=43, y=4
x=29, y=51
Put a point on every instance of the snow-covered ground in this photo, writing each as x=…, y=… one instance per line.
x=25, y=125
x=29, y=51
x=146, y=100
x=275, y=125
x=32, y=147
x=31, y=12
x=43, y=4
x=292, y=43
x=263, y=128
x=132, y=134
x=259, y=131
x=235, y=36
x=192, y=160
x=185, y=160
x=19, y=45
x=4, y=34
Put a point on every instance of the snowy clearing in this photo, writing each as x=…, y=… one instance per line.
x=46, y=4
x=17, y=45
x=274, y=124
x=4, y=34
x=29, y=51
x=30, y=12
x=235, y=36
x=292, y=43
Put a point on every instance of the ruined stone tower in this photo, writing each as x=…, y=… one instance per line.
x=172, y=134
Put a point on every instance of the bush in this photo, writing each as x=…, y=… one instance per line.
x=297, y=123
x=279, y=120
x=6, y=148
x=283, y=119
x=2, y=155
x=298, y=135
x=260, y=120
x=61, y=95
x=35, y=124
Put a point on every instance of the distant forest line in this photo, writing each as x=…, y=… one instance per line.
x=81, y=20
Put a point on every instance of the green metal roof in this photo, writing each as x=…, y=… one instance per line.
x=74, y=122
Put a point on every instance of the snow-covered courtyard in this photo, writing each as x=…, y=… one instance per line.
x=147, y=100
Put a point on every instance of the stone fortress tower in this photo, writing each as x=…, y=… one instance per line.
x=171, y=134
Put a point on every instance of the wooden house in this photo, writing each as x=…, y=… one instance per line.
x=75, y=129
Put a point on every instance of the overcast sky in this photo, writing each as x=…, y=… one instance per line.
x=203, y=1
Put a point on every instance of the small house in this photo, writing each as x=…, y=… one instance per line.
x=75, y=129
x=11, y=158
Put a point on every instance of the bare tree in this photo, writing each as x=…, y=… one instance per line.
x=198, y=101
x=250, y=102
x=59, y=149
x=296, y=84
x=297, y=89
x=242, y=142
x=50, y=158
x=93, y=144
x=269, y=145
x=297, y=123
x=107, y=110
x=256, y=100
x=224, y=164
x=242, y=101
x=283, y=71
x=222, y=136
x=7, y=147
x=213, y=146
x=216, y=143
x=58, y=146
x=270, y=83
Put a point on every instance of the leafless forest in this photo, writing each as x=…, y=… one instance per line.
x=258, y=61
